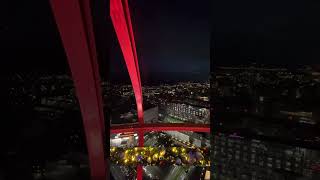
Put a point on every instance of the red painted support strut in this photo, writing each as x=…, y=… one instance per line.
x=161, y=127
x=120, y=15
x=91, y=43
x=140, y=144
x=122, y=25
x=128, y=18
x=74, y=23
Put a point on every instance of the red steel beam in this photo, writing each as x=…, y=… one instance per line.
x=161, y=127
x=93, y=53
x=73, y=19
x=128, y=18
x=120, y=16
x=140, y=144
x=122, y=25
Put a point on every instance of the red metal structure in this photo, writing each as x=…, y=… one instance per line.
x=119, y=12
x=161, y=127
x=74, y=21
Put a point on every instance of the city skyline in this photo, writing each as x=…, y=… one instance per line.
x=134, y=89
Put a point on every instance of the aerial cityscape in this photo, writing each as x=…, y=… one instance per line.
x=160, y=90
x=265, y=120
x=180, y=102
x=52, y=100
x=253, y=106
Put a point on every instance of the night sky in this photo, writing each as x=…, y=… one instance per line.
x=29, y=39
x=268, y=31
x=173, y=37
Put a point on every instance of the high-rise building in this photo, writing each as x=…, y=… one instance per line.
x=239, y=158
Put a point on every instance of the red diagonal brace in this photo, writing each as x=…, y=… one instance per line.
x=122, y=25
x=93, y=53
x=133, y=43
x=75, y=26
x=120, y=15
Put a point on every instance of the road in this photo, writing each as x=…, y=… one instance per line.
x=150, y=141
x=153, y=172
x=117, y=173
x=175, y=173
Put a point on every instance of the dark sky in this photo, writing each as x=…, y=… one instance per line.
x=268, y=31
x=172, y=37
x=29, y=38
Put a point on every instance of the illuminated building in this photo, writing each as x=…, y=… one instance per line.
x=239, y=157
x=188, y=113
